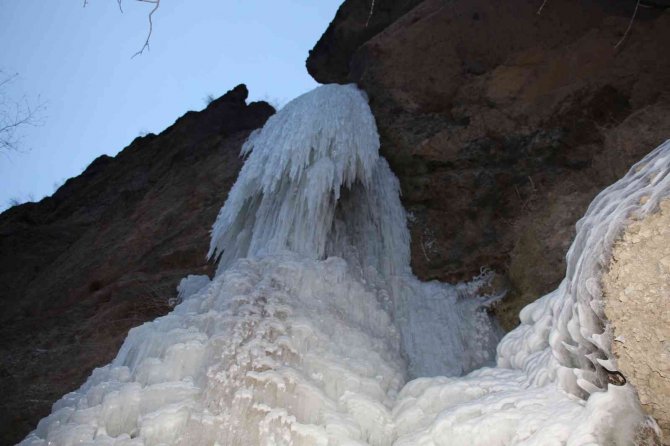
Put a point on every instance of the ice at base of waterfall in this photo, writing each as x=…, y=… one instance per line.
x=314, y=327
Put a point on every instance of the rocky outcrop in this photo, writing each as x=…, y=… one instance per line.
x=106, y=251
x=355, y=23
x=636, y=292
x=502, y=123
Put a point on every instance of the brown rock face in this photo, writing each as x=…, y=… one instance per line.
x=354, y=24
x=106, y=251
x=502, y=124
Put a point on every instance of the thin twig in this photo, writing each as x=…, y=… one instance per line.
x=539, y=11
x=532, y=184
x=117, y=1
x=630, y=25
x=151, y=25
x=8, y=79
x=372, y=8
x=14, y=115
x=423, y=248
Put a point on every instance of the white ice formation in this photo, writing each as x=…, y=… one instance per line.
x=313, y=323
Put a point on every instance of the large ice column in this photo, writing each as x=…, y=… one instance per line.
x=320, y=146
x=314, y=184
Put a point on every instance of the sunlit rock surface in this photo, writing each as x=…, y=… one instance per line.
x=637, y=302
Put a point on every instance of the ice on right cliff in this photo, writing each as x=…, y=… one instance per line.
x=556, y=381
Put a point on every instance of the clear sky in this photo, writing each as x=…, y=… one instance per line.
x=77, y=62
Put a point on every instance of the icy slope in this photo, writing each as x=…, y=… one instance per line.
x=551, y=382
x=313, y=323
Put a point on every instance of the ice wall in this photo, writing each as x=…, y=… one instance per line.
x=313, y=324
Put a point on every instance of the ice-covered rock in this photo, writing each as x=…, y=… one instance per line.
x=313, y=324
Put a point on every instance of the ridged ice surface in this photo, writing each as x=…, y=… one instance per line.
x=563, y=336
x=320, y=145
x=313, y=324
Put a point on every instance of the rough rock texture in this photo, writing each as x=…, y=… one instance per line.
x=106, y=251
x=637, y=302
x=354, y=24
x=502, y=124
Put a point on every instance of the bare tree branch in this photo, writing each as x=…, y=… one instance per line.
x=372, y=10
x=4, y=80
x=14, y=115
x=117, y=1
x=151, y=25
x=630, y=25
x=156, y=4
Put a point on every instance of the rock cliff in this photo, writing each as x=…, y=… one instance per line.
x=106, y=251
x=503, y=121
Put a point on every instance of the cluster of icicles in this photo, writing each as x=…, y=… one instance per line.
x=314, y=331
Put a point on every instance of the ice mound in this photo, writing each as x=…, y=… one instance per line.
x=269, y=351
x=313, y=324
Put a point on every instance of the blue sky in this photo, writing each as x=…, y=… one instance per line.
x=77, y=62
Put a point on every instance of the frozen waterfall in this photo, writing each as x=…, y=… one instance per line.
x=315, y=332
